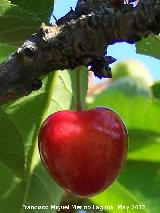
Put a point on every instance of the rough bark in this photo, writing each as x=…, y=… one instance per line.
x=80, y=38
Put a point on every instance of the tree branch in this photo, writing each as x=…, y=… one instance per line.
x=81, y=38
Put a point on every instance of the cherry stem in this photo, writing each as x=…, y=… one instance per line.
x=80, y=105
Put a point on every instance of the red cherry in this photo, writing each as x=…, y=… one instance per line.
x=84, y=151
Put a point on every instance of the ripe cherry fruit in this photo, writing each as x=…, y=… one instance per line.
x=84, y=151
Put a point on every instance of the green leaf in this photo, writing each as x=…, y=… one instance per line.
x=16, y=24
x=142, y=179
x=27, y=114
x=117, y=198
x=66, y=87
x=20, y=20
x=156, y=89
x=142, y=143
x=149, y=46
x=11, y=145
x=11, y=193
x=5, y=51
x=42, y=191
x=43, y=9
x=136, y=189
x=4, y=6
